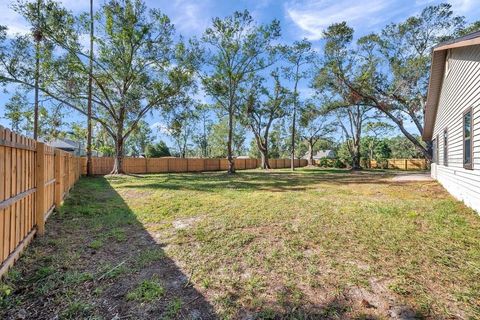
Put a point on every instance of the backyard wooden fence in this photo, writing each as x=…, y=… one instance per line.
x=34, y=179
x=165, y=165
x=401, y=164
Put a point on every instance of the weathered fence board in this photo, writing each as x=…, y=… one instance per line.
x=33, y=180
x=103, y=165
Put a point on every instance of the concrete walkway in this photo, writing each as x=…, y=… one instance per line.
x=413, y=177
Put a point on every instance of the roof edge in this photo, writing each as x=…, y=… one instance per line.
x=435, y=82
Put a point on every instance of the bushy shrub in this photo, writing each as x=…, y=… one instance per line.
x=331, y=163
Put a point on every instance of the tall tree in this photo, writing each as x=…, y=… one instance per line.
x=351, y=120
x=37, y=34
x=181, y=123
x=350, y=108
x=262, y=109
x=237, y=48
x=314, y=127
x=395, y=65
x=300, y=57
x=200, y=136
x=138, y=67
x=89, y=102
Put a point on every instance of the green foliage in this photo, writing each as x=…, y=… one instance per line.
x=159, y=149
x=138, y=141
x=241, y=49
x=331, y=163
x=137, y=65
x=263, y=107
x=403, y=148
x=218, y=139
x=5, y=292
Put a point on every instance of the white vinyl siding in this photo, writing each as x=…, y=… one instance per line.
x=460, y=91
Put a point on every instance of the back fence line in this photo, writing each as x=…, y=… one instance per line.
x=104, y=165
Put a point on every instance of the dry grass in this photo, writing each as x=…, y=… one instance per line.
x=309, y=244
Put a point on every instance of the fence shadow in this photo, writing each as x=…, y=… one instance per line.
x=96, y=259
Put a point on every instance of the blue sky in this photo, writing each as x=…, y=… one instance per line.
x=299, y=18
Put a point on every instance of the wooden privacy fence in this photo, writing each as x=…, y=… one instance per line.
x=34, y=179
x=165, y=165
x=401, y=164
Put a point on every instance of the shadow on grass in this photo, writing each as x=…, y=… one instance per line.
x=275, y=181
x=97, y=260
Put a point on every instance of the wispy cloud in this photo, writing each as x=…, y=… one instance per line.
x=464, y=6
x=189, y=16
x=312, y=17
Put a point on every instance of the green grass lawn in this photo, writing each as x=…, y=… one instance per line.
x=257, y=245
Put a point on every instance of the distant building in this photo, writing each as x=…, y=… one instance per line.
x=321, y=154
x=68, y=145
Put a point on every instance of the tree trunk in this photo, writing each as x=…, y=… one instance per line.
x=292, y=157
x=231, y=163
x=356, y=157
x=264, y=159
x=310, y=153
x=37, y=76
x=89, y=106
x=118, y=160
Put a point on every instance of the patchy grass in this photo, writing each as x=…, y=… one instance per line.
x=147, y=291
x=265, y=245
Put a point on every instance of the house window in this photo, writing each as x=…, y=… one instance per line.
x=434, y=151
x=445, y=147
x=467, y=139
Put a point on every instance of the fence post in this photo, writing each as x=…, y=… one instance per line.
x=58, y=178
x=40, y=192
x=406, y=164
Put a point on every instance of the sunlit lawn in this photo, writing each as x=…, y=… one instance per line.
x=309, y=244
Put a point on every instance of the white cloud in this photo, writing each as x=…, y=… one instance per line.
x=462, y=6
x=191, y=17
x=17, y=25
x=314, y=16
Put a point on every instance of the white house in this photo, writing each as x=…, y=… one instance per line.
x=321, y=154
x=452, y=117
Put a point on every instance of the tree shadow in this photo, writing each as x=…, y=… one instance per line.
x=97, y=260
x=275, y=181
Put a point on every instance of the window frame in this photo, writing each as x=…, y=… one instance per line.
x=468, y=166
x=445, y=147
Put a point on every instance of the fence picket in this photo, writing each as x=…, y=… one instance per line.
x=31, y=185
